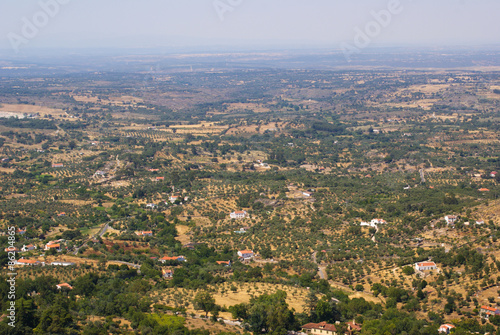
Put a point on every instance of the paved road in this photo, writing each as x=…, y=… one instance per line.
x=321, y=269
x=103, y=231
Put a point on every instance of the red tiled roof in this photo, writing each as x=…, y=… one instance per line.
x=65, y=285
x=491, y=309
x=246, y=251
x=354, y=326
x=426, y=264
x=53, y=245
x=223, y=262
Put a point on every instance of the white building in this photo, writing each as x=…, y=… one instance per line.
x=450, y=219
x=28, y=247
x=167, y=273
x=378, y=221
x=446, y=328
x=425, y=266
x=238, y=215
x=246, y=254
x=59, y=263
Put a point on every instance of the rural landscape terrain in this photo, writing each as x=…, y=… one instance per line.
x=208, y=195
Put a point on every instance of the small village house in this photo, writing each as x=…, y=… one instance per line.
x=28, y=262
x=51, y=246
x=446, y=328
x=321, y=328
x=246, y=254
x=238, y=215
x=173, y=258
x=487, y=311
x=167, y=273
x=425, y=266
x=64, y=286
x=28, y=247
x=144, y=233
x=450, y=219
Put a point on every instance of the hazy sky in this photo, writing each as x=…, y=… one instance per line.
x=244, y=23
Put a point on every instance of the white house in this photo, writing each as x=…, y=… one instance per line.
x=321, y=328
x=446, y=328
x=238, y=215
x=152, y=206
x=450, y=219
x=28, y=247
x=424, y=266
x=246, y=254
x=55, y=246
x=64, y=285
x=167, y=273
x=174, y=258
x=378, y=221
x=144, y=233
x=28, y=262
x=493, y=174
x=480, y=222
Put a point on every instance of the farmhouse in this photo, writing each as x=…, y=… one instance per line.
x=446, y=328
x=20, y=231
x=238, y=215
x=424, y=266
x=144, y=233
x=246, y=254
x=28, y=247
x=486, y=311
x=61, y=214
x=167, y=273
x=226, y=263
x=450, y=219
x=51, y=246
x=322, y=328
x=152, y=206
x=58, y=165
x=28, y=262
x=378, y=221
x=65, y=286
x=160, y=178
x=493, y=174
x=484, y=190
x=174, y=258
x=353, y=327
x=173, y=198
